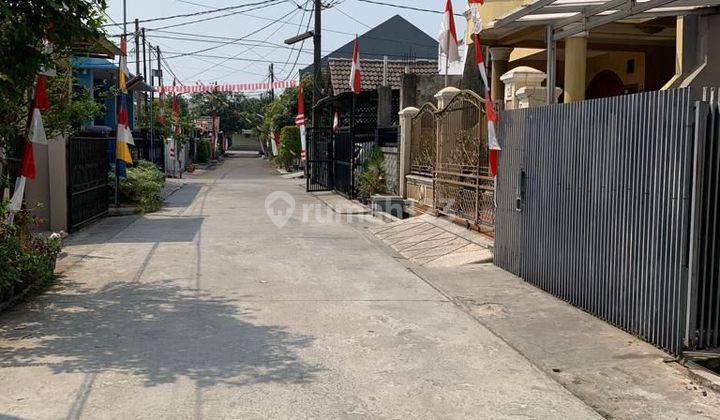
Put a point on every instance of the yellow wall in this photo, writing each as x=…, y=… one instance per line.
x=617, y=62
x=492, y=10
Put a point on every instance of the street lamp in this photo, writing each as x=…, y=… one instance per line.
x=300, y=38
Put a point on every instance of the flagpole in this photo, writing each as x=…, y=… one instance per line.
x=447, y=59
x=117, y=171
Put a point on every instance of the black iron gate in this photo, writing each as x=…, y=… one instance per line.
x=320, y=159
x=343, y=162
x=87, y=188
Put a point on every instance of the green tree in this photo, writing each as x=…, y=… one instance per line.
x=70, y=107
x=282, y=111
x=236, y=111
x=290, y=146
x=25, y=25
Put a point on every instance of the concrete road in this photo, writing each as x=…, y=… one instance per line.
x=209, y=310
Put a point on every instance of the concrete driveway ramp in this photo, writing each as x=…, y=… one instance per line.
x=434, y=242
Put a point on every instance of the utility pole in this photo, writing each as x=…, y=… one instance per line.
x=117, y=169
x=152, y=105
x=272, y=83
x=137, y=47
x=136, y=98
x=160, y=83
x=317, y=61
x=144, y=72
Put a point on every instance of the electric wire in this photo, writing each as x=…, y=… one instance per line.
x=177, y=25
x=266, y=38
x=404, y=7
x=292, y=49
x=204, y=12
x=292, y=12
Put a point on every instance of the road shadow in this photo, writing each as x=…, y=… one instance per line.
x=157, y=331
x=147, y=229
x=183, y=197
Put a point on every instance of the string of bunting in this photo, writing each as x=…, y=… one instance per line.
x=229, y=87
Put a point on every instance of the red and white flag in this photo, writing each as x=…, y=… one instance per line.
x=493, y=144
x=447, y=40
x=40, y=103
x=36, y=133
x=475, y=18
x=300, y=121
x=355, y=72
x=273, y=144
x=276, y=141
x=176, y=111
x=479, y=60
x=161, y=105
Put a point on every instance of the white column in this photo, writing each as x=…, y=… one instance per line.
x=406, y=116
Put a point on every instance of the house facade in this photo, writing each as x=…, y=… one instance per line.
x=601, y=48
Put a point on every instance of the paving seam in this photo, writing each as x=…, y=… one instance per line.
x=462, y=308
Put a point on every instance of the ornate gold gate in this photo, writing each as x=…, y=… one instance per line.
x=424, y=141
x=463, y=186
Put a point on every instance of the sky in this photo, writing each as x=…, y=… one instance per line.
x=227, y=60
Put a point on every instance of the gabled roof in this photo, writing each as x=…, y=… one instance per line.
x=372, y=72
x=395, y=38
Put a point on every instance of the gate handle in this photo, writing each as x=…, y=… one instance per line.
x=520, y=191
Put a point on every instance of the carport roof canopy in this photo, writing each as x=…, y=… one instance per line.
x=609, y=22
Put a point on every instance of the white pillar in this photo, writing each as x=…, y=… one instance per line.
x=518, y=78
x=445, y=96
x=406, y=116
x=57, y=168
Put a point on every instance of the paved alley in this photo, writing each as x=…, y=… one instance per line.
x=208, y=310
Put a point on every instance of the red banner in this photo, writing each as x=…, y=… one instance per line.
x=228, y=87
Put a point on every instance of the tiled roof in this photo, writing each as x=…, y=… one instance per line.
x=395, y=38
x=372, y=72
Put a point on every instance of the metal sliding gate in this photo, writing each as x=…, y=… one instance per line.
x=594, y=206
x=320, y=159
x=704, y=321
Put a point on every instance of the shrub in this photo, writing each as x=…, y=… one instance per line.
x=203, y=151
x=372, y=179
x=27, y=262
x=142, y=186
x=290, y=146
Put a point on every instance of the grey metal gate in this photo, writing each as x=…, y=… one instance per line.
x=593, y=206
x=704, y=297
